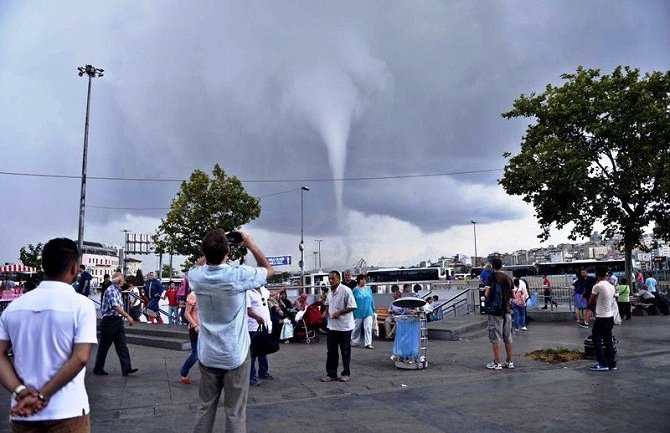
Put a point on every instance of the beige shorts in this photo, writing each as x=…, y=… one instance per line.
x=500, y=328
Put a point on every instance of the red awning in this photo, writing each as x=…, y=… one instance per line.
x=17, y=269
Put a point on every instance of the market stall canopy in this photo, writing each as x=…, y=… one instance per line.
x=17, y=269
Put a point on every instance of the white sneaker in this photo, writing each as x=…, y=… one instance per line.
x=523, y=328
x=494, y=366
x=509, y=365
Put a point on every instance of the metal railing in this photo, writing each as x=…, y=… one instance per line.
x=560, y=295
x=461, y=304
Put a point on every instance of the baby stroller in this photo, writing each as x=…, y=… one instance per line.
x=307, y=324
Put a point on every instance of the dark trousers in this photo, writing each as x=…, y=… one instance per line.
x=263, y=366
x=602, y=336
x=624, y=310
x=79, y=424
x=135, y=313
x=338, y=340
x=112, y=331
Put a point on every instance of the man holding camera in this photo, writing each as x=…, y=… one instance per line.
x=223, y=340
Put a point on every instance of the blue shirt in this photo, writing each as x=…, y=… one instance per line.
x=223, y=340
x=651, y=284
x=364, y=301
x=85, y=283
x=153, y=288
x=112, y=298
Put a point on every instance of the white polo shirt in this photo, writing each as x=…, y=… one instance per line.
x=258, y=302
x=43, y=325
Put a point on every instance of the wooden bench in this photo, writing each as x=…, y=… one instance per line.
x=382, y=314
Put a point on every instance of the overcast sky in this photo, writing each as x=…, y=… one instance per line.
x=284, y=94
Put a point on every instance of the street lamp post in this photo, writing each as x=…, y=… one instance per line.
x=474, y=229
x=302, y=232
x=319, y=242
x=92, y=72
x=315, y=253
x=124, y=262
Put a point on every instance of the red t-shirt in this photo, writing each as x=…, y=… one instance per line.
x=172, y=298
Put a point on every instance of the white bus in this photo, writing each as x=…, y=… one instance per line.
x=313, y=282
x=407, y=275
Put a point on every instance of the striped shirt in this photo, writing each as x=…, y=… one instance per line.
x=112, y=298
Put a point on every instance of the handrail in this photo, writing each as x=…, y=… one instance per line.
x=142, y=302
x=452, y=303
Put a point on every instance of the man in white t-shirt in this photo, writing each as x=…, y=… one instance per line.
x=47, y=384
x=340, y=304
x=259, y=314
x=602, y=296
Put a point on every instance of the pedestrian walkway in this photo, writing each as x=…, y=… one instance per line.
x=456, y=393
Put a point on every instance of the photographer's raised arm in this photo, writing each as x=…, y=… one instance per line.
x=261, y=260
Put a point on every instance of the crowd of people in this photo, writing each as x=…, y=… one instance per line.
x=48, y=387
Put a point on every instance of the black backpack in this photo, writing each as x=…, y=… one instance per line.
x=494, y=302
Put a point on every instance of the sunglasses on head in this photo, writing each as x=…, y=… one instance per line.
x=263, y=299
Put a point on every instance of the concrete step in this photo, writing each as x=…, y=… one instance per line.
x=455, y=328
x=169, y=337
x=561, y=313
x=158, y=331
x=160, y=342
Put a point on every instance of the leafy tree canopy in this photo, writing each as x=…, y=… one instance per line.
x=31, y=255
x=137, y=279
x=279, y=277
x=166, y=272
x=204, y=203
x=597, y=151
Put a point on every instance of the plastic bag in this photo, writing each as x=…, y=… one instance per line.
x=286, y=330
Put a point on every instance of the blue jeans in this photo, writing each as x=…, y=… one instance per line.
x=173, y=315
x=193, y=356
x=519, y=316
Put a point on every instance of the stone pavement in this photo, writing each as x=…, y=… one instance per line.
x=455, y=394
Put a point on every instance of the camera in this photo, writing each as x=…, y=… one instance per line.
x=234, y=238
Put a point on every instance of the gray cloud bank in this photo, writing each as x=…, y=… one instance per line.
x=289, y=90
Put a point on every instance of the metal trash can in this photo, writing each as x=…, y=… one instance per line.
x=411, y=336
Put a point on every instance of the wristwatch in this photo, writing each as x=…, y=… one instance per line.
x=19, y=389
x=41, y=397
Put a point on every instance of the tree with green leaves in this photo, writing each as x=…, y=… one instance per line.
x=204, y=203
x=279, y=277
x=137, y=279
x=168, y=272
x=31, y=255
x=597, y=151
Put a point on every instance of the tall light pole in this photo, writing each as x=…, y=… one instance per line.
x=302, y=237
x=319, y=242
x=474, y=229
x=315, y=253
x=92, y=72
x=124, y=263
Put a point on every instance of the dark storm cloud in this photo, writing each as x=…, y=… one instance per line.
x=292, y=90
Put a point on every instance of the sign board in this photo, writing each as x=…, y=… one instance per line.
x=139, y=244
x=279, y=260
